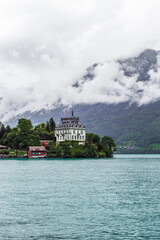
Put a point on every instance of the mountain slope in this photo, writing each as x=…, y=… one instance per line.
x=124, y=121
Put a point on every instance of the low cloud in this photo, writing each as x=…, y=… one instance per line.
x=111, y=86
x=46, y=47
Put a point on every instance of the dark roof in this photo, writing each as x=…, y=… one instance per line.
x=70, y=122
x=37, y=148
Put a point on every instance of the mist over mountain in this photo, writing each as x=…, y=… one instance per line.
x=125, y=121
x=141, y=64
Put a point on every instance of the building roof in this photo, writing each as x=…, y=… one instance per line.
x=70, y=122
x=45, y=140
x=37, y=148
x=3, y=147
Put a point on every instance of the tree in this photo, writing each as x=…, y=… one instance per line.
x=66, y=147
x=25, y=126
x=47, y=127
x=27, y=136
x=108, y=145
x=91, y=151
x=39, y=127
x=92, y=138
x=58, y=151
x=8, y=129
x=78, y=152
x=12, y=139
x=52, y=124
x=2, y=131
x=96, y=138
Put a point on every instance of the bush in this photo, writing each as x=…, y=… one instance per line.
x=4, y=151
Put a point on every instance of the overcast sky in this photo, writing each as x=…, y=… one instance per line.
x=47, y=45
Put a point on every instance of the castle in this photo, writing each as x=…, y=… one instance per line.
x=70, y=129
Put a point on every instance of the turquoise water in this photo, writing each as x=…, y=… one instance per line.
x=81, y=199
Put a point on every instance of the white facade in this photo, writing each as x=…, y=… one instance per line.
x=70, y=129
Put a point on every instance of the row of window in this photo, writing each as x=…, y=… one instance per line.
x=69, y=131
x=36, y=153
x=69, y=137
x=64, y=126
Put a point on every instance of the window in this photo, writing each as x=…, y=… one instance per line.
x=81, y=131
x=74, y=131
x=36, y=153
x=75, y=137
x=72, y=136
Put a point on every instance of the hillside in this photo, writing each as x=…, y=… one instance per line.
x=124, y=122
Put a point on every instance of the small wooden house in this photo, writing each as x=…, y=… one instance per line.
x=37, y=152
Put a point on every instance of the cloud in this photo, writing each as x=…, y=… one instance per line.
x=46, y=47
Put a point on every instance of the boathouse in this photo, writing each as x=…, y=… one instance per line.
x=37, y=152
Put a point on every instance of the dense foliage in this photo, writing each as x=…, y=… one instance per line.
x=95, y=147
x=25, y=135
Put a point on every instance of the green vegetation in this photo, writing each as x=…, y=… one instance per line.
x=95, y=147
x=24, y=135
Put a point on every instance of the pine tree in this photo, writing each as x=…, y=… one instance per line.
x=2, y=131
x=47, y=127
x=8, y=129
x=52, y=124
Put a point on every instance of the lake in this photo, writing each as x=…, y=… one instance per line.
x=115, y=199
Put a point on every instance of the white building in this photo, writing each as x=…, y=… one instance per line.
x=70, y=129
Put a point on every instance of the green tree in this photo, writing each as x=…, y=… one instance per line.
x=47, y=127
x=40, y=127
x=8, y=129
x=92, y=138
x=52, y=124
x=108, y=145
x=66, y=147
x=91, y=151
x=24, y=126
x=78, y=152
x=2, y=130
x=12, y=139
x=58, y=151
x=26, y=134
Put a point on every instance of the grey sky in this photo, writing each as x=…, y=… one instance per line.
x=46, y=47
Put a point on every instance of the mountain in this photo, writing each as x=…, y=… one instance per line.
x=140, y=65
x=127, y=123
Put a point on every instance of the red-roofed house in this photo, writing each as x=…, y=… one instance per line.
x=37, y=152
